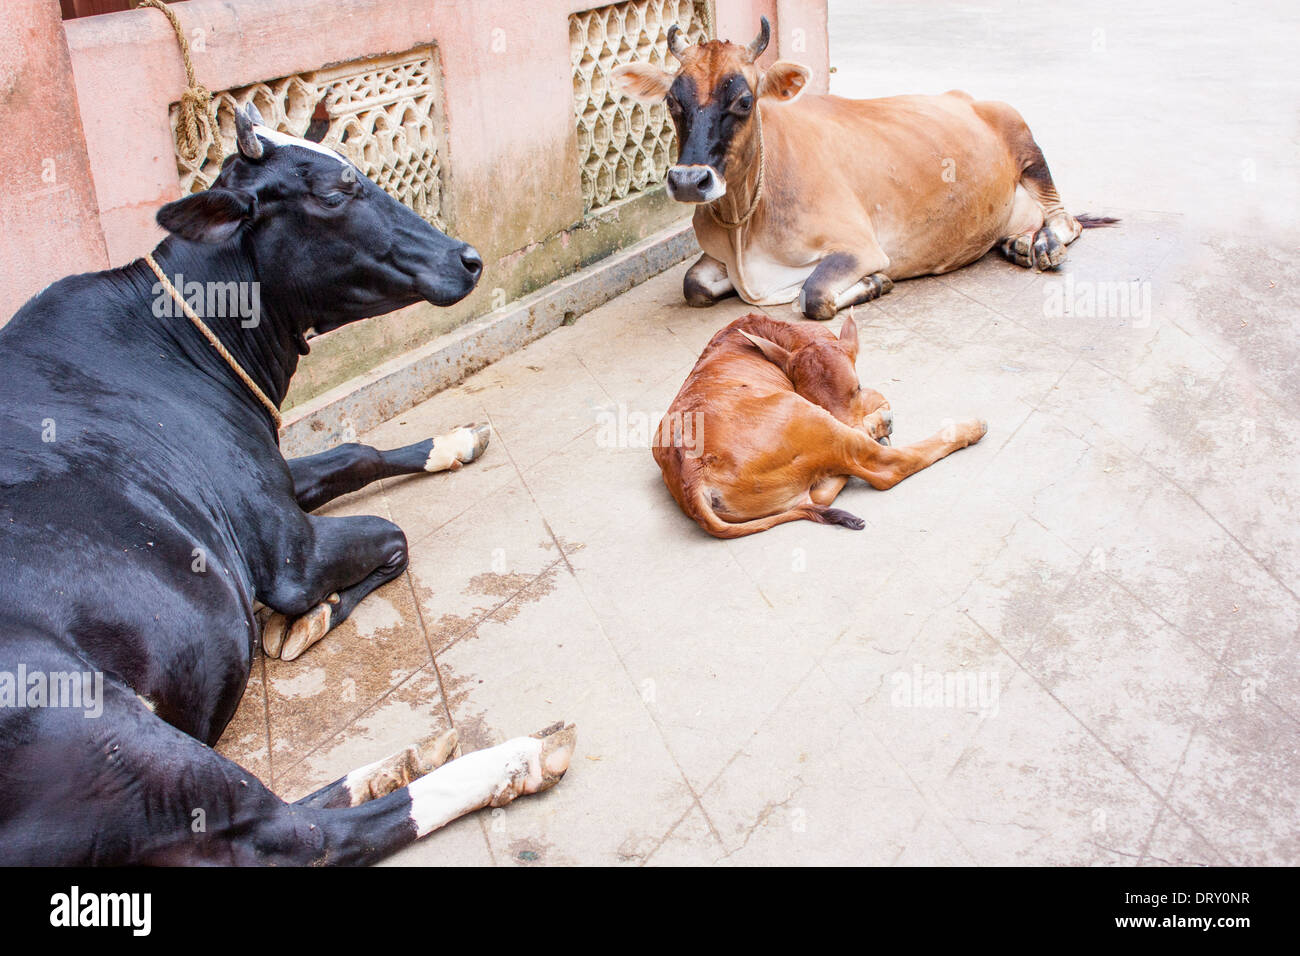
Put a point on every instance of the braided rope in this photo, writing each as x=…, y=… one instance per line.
x=213, y=340
x=758, y=190
x=198, y=123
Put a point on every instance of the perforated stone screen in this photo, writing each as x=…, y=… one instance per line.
x=385, y=114
x=625, y=147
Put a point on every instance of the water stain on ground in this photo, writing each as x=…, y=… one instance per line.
x=508, y=594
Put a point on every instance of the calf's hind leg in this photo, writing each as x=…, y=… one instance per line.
x=883, y=466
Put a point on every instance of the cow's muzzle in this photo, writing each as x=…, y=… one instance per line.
x=451, y=277
x=695, y=184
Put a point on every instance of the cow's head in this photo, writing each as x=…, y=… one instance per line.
x=713, y=100
x=320, y=233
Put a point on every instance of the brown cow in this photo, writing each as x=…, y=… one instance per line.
x=830, y=200
x=772, y=422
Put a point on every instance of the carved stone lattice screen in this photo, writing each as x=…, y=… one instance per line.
x=385, y=114
x=625, y=147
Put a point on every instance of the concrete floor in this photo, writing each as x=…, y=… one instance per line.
x=1113, y=569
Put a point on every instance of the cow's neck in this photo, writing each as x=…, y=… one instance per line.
x=261, y=333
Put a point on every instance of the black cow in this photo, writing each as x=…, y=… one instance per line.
x=145, y=507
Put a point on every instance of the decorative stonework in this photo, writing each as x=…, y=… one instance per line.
x=625, y=147
x=385, y=114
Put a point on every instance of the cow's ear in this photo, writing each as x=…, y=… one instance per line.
x=210, y=216
x=849, y=336
x=784, y=81
x=642, y=81
x=771, y=351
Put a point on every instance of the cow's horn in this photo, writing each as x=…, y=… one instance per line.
x=250, y=147
x=760, y=42
x=676, y=45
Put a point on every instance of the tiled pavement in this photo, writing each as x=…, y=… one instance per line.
x=1114, y=568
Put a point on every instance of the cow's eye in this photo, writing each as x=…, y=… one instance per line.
x=744, y=103
x=334, y=199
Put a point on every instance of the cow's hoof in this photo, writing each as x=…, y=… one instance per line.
x=458, y=447
x=273, y=634
x=1040, y=250
x=534, y=763
x=1048, y=251
x=401, y=769
x=308, y=629
x=1019, y=249
x=558, y=743
x=877, y=285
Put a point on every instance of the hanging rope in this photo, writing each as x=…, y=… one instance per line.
x=197, y=124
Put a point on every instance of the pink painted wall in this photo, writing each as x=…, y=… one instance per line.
x=49, y=225
x=512, y=175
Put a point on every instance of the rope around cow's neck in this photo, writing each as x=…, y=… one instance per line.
x=214, y=341
x=758, y=189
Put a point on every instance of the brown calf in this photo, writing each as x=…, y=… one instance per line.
x=777, y=424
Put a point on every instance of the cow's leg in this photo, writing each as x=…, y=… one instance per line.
x=707, y=282
x=163, y=797
x=323, y=578
x=1040, y=228
x=843, y=279
x=318, y=479
x=382, y=777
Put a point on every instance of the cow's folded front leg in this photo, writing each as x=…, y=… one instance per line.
x=843, y=279
x=337, y=562
x=706, y=282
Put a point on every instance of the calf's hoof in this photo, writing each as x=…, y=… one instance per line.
x=880, y=424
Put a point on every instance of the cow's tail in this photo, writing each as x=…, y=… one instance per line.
x=1088, y=221
x=702, y=511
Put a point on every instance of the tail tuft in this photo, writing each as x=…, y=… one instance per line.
x=838, y=516
x=1095, y=222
